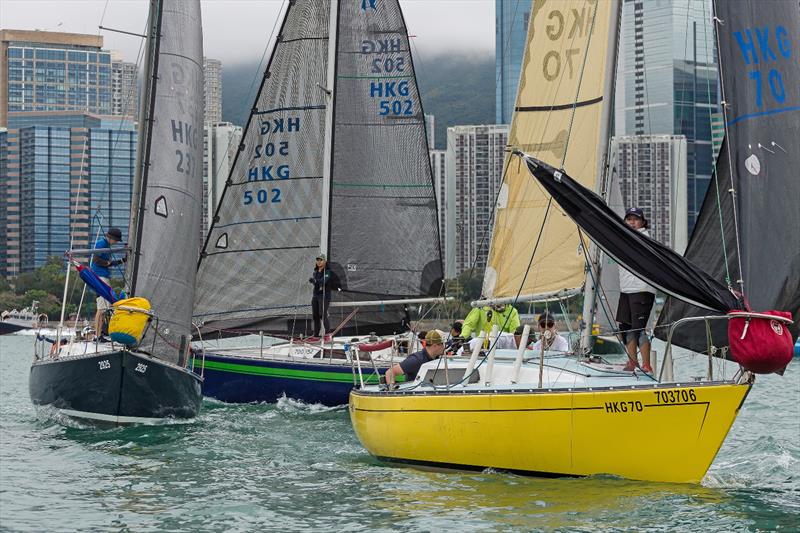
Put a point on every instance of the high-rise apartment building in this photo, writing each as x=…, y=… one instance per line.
x=212, y=72
x=511, y=32
x=124, y=93
x=445, y=195
x=652, y=175
x=430, y=131
x=220, y=144
x=668, y=83
x=475, y=156
x=50, y=71
x=3, y=197
x=67, y=174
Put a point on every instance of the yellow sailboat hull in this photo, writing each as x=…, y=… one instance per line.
x=656, y=433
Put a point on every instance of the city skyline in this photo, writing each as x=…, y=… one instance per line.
x=475, y=29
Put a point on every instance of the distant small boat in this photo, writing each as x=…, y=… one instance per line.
x=29, y=318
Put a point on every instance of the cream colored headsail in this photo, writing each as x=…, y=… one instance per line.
x=561, y=117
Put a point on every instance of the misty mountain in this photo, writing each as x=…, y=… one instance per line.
x=456, y=89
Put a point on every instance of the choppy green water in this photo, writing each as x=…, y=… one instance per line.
x=292, y=467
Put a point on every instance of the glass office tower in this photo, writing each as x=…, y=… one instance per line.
x=511, y=31
x=668, y=84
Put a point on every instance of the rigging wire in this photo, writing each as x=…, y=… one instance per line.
x=82, y=170
x=715, y=176
x=530, y=183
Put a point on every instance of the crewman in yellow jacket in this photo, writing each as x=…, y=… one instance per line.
x=505, y=317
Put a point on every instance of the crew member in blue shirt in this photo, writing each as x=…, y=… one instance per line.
x=434, y=348
x=100, y=264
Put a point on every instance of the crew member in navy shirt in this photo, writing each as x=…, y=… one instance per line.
x=434, y=348
x=325, y=281
x=100, y=264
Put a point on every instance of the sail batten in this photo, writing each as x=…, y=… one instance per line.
x=562, y=133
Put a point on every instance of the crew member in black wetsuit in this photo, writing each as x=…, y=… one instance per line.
x=325, y=281
x=434, y=347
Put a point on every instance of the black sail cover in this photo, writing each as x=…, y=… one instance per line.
x=653, y=262
x=759, y=47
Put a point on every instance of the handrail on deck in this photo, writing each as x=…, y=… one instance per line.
x=706, y=319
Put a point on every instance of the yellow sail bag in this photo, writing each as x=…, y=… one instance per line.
x=127, y=325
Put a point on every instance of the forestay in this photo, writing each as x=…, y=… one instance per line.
x=758, y=52
x=168, y=206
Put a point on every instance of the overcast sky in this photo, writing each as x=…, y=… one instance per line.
x=237, y=30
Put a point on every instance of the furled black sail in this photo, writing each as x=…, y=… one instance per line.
x=374, y=215
x=166, y=215
x=760, y=159
x=647, y=258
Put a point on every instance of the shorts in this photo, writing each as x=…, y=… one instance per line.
x=634, y=309
x=102, y=303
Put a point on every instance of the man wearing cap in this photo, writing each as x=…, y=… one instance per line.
x=100, y=264
x=548, y=335
x=325, y=281
x=635, y=302
x=434, y=348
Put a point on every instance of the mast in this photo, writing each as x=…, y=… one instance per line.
x=330, y=96
x=143, y=141
x=590, y=291
x=168, y=210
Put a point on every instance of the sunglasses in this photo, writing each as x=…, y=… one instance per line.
x=549, y=324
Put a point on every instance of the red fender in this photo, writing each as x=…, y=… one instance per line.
x=376, y=346
x=760, y=344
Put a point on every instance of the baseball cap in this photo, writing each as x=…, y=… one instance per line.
x=635, y=212
x=322, y=256
x=114, y=233
x=433, y=337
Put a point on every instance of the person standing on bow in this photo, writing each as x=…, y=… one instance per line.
x=325, y=281
x=100, y=264
x=635, y=303
x=505, y=317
